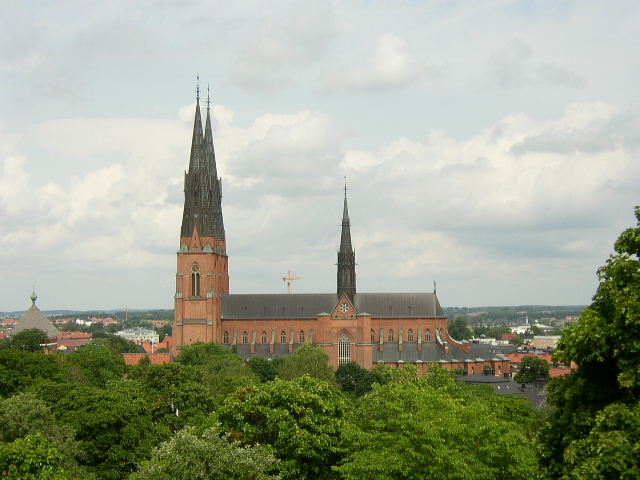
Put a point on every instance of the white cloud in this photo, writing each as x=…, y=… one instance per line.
x=392, y=65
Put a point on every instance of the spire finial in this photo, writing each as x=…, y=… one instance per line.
x=33, y=296
x=208, y=97
x=197, y=87
x=434, y=287
x=345, y=186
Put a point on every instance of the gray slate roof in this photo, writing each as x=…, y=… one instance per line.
x=34, y=318
x=308, y=305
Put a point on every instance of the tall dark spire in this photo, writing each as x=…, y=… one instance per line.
x=346, y=255
x=202, y=191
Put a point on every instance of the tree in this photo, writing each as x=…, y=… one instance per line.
x=224, y=374
x=200, y=353
x=458, y=329
x=210, y=455
x=302, y=419
x=97, y=363
x=532, y=369
x=516, y=341
x=115, y=343
x=307, y=360
x=265, y=369
x=30, y=340
x=31, y=458
x=354, y=379
x=113, y=426
x=434, y=427
x=595, y=420
x=19, y=369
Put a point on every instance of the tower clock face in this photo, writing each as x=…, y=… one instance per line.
x=344, y=308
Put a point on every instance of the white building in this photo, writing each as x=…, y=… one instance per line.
x=139, y=335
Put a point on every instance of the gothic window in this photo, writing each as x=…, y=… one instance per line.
x=344, y=349
x=225, y=338
x=427, y=335
x=263, y=337
x=245, y=337
x=390, y=335
x=283, y=337
x=410, y=336
x=195, y=280
x=373, y=335
x=301, y=336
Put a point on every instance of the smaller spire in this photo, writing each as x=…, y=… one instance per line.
x=197, y=88
x=208, y=97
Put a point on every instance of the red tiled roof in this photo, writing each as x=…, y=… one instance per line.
x=155, y=358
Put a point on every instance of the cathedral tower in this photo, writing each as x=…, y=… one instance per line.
x=346, y=257
x=202, y=275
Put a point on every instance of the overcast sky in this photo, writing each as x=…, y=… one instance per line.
x=491, y=146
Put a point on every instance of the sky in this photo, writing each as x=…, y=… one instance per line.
x=490, y=146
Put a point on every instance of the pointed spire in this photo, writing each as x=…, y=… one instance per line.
x=202, y=191
x=346, y=255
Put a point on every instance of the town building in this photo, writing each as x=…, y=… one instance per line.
x=139, y=335
x=34, y=318
x=368, y=328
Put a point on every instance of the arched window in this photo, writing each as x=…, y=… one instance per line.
x=301, y=336
x=410, y=336
x=390, y=335
x=427, y=335
x=283, y=337
x=373, y=335
x=225, y=338
x=344, y=349
x=195, y=280
x=263, y=337
x=245, y=337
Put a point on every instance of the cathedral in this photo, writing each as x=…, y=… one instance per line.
x=367, y=328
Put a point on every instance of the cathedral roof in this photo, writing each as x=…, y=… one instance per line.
x=34, y=318
x=309, y=305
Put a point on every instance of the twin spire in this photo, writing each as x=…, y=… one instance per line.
x=202, y=187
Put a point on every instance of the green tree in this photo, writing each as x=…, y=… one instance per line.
x=210, y=455
x=532, y=369
x=115, y=343
x=113, y=426
x=31, y=458
x=176, y=392
x=97, y=364
x=200, y=353
x=30, y=340
x=434, y=427
x=19, y=369
x=354, y=379
x=307, y=360
x=302, y=419
x=458, y=329
x=265, y=369
x=224, y=374
x=597, y=405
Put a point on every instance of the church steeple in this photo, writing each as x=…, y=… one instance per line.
x=346, y=256
x=202, y=190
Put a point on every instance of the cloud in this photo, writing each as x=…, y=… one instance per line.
x=284, y=45
x=392, y=65
x=513, y=66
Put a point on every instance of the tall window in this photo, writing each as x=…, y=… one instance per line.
x=301, y=336
x=283, y=337
x=391, y=335
x=263, y=337
x=195, y=280
x=226, y=338
x=344, y=349
x=410, y=336
x=373, y=335
x=245, y=337
x=427, y=335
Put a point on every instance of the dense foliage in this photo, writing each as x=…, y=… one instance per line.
x=594, y=431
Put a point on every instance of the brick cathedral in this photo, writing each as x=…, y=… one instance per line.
x=368, y=328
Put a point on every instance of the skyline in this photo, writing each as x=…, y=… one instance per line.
x=491, y=147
